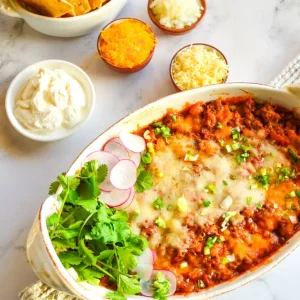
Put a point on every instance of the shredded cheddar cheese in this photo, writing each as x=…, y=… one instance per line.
x=127, y=44
x=197, y=66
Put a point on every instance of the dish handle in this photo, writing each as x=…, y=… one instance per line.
x=293, y=89
x=6, y=8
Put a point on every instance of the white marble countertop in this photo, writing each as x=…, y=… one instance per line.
x=258, y=37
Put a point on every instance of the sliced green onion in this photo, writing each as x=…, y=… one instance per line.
x=259, y=206
x=291, y=195
x=225, y=182
x=220, y=125
x=174, y=118
x=206, y=203
x=249, y=200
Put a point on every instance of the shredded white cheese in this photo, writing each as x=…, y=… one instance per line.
x=176, y=14
x=197, y=66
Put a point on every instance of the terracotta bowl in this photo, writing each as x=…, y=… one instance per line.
x=120, y=69
x=206, y=46
x=173, y=31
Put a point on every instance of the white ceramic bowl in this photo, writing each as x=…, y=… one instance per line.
x=65, y=27
x=41, y=254
x=20, y=81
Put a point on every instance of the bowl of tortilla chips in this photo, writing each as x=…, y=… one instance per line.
x=64, y=18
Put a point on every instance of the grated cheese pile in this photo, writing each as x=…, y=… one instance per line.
x=127, y=44
x=198, y=66
x=176, y=14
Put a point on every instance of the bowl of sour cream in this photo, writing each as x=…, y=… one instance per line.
x=50, y=100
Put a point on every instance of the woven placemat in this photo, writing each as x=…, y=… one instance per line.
x=39, y=290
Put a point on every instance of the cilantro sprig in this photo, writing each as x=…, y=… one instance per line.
x=95, y=240
x=144, y=180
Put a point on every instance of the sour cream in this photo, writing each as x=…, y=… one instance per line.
x=51, y=100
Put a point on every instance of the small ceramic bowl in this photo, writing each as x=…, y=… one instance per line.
x=174, y=31
x=20, y=81
x=120, y=69
x=201, y=44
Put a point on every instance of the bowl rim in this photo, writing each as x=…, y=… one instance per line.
x=174, y=30
x=126, y=68
x=255, y=273
x=195, y=44
x=10, y=103
x=24, y=11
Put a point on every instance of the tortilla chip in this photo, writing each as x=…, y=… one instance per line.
x=53, y=8
x=70, y=13
x=94, y=4
x=81, y=7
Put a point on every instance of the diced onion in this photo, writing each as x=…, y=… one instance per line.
x=176, y=14
x=226, y=203
x=293, y=219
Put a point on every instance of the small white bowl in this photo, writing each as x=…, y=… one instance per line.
x=65, y=27
x=20, y=81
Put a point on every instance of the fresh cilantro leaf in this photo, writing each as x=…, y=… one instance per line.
x=75, y=225
x=101, y=173
x=68, y=182
x=88, y=205
x=128, y=261
x=138, y=244
x=144, y=182
x=161, y=287
x=115, y=296
x=120, y=215
x=105, y=232
x=122, y=230
x=53, y=187
x=62, y=244
x=52, y=220
x=90, y=274
x=70, y=258
x=128, y=285
x=106, y=254
x=86, y=254
x=66, y=233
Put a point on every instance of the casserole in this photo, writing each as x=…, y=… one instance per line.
x=41, y=253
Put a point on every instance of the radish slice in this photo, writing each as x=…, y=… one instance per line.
x=123, y=175
x=144, y=266
x=108, y=159
x=135, y=157
x=146, y=286
x=132, y=142
x=128, y=202
x=117, y=148
x=116, y=197
x=153, y=255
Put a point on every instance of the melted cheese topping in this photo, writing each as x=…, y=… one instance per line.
x=190, y=180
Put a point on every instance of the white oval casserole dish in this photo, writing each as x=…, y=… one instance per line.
x=40, y=251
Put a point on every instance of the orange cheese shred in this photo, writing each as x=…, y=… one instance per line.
x=127, y=44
